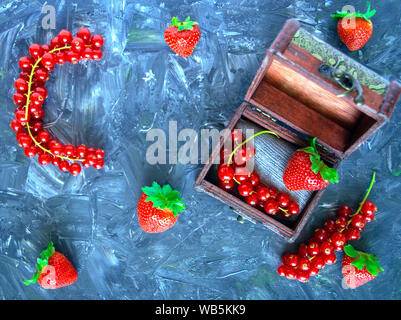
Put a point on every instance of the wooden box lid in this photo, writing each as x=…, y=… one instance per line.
x=295, y=86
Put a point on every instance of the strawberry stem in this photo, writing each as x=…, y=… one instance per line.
x=246, y=141
x=185, y=25
x=164, y=198
x=345, y=14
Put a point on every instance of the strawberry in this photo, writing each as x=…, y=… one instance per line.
x=182, y=37
x=53, y=270
x=158, y=208
x=359, y=267
x=305, y=170
x=354, y=29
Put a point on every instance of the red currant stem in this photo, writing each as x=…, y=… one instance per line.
x=372, y=182
x=236, y=181
x=26, y=107
x=255, y=135
x=282, y=209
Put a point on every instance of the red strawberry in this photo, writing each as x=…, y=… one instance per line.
x=354, y=29
x=359, y=267
x=182, y=37
x=305, y=170
x=53, y=270
x=158, y=208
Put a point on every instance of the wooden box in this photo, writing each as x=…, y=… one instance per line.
x=298, y=92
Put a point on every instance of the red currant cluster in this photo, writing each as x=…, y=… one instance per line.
x=232, y=170
x=31, y=94
x=320, y=249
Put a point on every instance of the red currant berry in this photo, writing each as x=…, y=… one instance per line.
x=320, y=234
x=19, y=99
x=77, y=45
x=35, y=50
x=330, y=258
x=225, y=172
x=237, y=137
x=326, y=248
x=57, y=148
x=97, y=41
x=84, y=34
x=303, y=250
x=86, y=164
x=290, y=260
x=250, y=152
x=282, y=270
x=359, y=221
x=56, y=161
x=313, y=271
x=313, y=248
x=69, y=151
x=271, y=207
x=330, y=226
x=48, y=60
x=99, y=164
x=60, y=57
x=44, y=136
x=44, y=159
x=72, y=57
x=75, y=169
x=81, y=151
x=244, y=189
x=21, y=116
x=304, y=264
x=37, y=99
x=64, y=165
x=54, y=43
x=42, y=91
x=293, y=208
x=64, y=37
x=352, y=234
x=25, y=63
x=30, y=151
x=42, y=74
x=38, y=114
x=254, y=178
x=303, y=276
x=97, y=54
x=273, y=193
x=368, y=208
x=45, y=48
x=283, y=200
x=24, y=75
x=224, y=155
x=252, y=200
x=240, y=157
x=21, y=85
x=318, y=262
x=16, y=125
x=338, y=239
x=370, y=217
x=87, y=53
x=291, y=273
x=341, y=222
x=262, y=193
x=36, y=126
x=226, y=185
x=24, y=140
x=241, y=174
x=339, y=248
x=344, y=211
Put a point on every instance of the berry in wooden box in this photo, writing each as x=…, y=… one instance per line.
x=304, y=88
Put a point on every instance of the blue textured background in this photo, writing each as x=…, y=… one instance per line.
x=141, y=84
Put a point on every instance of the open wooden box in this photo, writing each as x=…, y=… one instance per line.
x=290, y=96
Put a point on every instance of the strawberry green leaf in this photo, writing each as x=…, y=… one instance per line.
x=318, y=166
x=42, y=261
x=186, y=25
x=364, y=260
x=345, y=14
x=164, y=198
x=350, y=251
